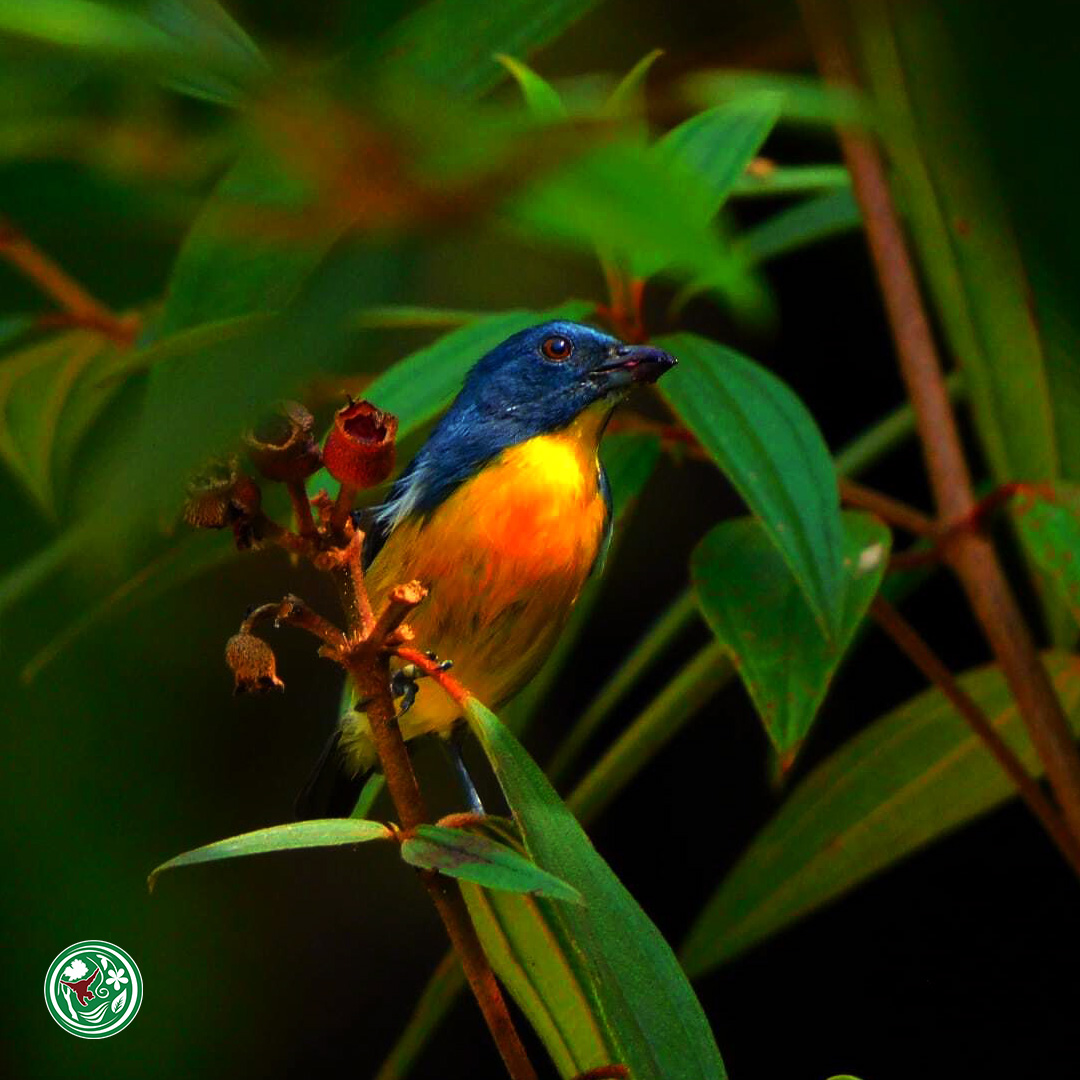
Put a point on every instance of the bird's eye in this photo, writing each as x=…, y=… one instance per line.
x=557, y=348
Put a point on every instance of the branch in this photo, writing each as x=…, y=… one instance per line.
x=970, y=554
x=80, y=307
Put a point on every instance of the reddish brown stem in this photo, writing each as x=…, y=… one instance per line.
x=368, y=665
x=343, y=505
x=927, y=661
x=61, y=287
x=431, y=668
x=970, y=554
x=891, y=511
x=294, y=612
x=305, y=523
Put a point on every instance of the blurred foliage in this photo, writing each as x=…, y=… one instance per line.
x=207, y=207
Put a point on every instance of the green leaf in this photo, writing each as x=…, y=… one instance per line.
x=452, y=44
x=630, y=966
x=621, y=197
x=807, y=222
x=483, y=861
x=626, y=98
x=717, y=145
x=296, y=835
x=194, y=45
x=540, y=96
x=792, y=180
x=755, y=607
x=1049, y=524
x=911, y=777
x=50, y=394
x=545, y=973
x=1024, y=394
x=803, y=98
x=760, y=434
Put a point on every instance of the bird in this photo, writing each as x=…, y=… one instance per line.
x=503, y=515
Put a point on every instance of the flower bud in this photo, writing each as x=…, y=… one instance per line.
x=252, y=663
x=221, y=496
x=359, y=451
x=282, y=447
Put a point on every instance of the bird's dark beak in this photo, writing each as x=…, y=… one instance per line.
x=627, y=364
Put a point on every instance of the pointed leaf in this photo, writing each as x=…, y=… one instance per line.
x=527, y=945
x=806, y=223
x=768, y=445
x=540, y=96
x=773, y=180
x=755, y=607
x=483, y=861
x=631, y=967
x=294, y=836
x=50, y=394
x=625, y=99
x=911, y=777
x=1049, y=524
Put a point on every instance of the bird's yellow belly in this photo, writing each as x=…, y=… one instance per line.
x=504, y=559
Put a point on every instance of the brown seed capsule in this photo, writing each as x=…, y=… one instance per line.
x=359, y=450
x=252, y=663
x=282, y=447
x=220, y=496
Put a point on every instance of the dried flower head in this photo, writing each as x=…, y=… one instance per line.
x=359, y=451
x=252, y=663
x=221, y=496
x=282, y=446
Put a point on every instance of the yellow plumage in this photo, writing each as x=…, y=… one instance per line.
x=505, y=557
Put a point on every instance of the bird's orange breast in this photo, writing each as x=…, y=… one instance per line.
x=504, y=559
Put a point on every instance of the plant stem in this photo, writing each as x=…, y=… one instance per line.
x=970, y=554
x=927, y=661
x=369, y=667
x=305, y=523
x=61, y=287
x=890, y=510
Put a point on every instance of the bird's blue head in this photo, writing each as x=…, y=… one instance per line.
x=535, y=383
x=540, y=379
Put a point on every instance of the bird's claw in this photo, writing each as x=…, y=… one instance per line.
x=404, y=683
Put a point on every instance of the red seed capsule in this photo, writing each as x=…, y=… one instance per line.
x=252, y=663
x=359, y=451
x=282, y=447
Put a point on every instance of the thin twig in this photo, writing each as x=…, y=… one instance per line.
x=927, y=661
x=368, y=666
x=81, y=308
x=305, y=523
x=294, y=612
x=891, y=511
x=970, y=554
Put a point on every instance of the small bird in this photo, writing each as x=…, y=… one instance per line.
x=503, y=515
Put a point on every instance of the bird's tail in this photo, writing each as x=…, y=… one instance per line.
x=338, y=776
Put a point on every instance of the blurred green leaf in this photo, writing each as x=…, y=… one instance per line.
x=1049, y=524
x=541, y=97
x=546, y=975
x=193, y=45
x=50, y=394
x=803, y=98
x=911, y=777
x=807, y=222
x=622, y=198
x=755, y=607
x=452, y=44
x=762, y=437
x=475, y=857
x=301, y=834
x=777, y=180
x=1023, y=397
x=630, y=966
x=626, y=98
x=717, y=145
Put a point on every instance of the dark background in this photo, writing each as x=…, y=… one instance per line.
x=958, y=962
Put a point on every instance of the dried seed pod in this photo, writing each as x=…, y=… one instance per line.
x=359, y=451
x=282, y=446
x=221, y=496
x=252, y=663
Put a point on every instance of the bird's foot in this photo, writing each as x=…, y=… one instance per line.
x=404, y=683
